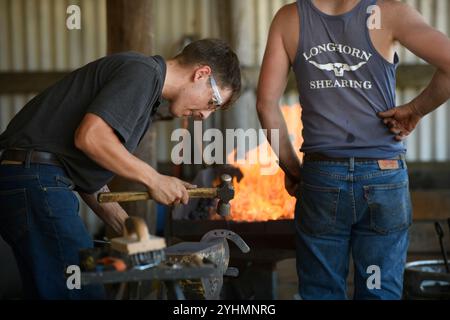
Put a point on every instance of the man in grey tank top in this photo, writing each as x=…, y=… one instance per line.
x=352, y=186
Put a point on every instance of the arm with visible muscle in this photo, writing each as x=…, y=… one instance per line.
x=99, y=142
x=272, y=83
x=432, y=46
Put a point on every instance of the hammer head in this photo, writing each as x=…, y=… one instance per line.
x=225, y=193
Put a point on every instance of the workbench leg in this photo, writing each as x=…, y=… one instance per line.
x=134, y=290
x=121, y=292
x=174, y=290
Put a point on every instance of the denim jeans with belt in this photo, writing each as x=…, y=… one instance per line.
x=352, y=208
x=39, y=219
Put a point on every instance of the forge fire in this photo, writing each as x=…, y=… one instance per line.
x=264, y=198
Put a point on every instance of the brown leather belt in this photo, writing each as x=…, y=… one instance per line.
x=21, y=155
x=321, y=157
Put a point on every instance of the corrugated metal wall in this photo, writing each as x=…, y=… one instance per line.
x=33, y=37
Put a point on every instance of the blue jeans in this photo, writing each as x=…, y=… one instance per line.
x=353, y=208
x=39, y=219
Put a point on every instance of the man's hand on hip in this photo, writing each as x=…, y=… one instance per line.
x=401, y=121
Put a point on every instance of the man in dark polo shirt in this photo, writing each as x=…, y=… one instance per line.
x=79, y=133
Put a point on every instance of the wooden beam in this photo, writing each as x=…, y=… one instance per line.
x=28, y=82
x=429, y=175
x=430, y=190
x=224, y=10
x=129, y=25
x=414, y=76
x=408, y=76
x=431, y=205
x=423, y=237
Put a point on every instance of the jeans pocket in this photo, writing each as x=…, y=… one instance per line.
x=316, y=209
x=389, y=207
x=13, y=214
x=65, y=182
x=61, y=201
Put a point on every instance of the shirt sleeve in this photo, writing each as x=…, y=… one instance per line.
x=125, y=97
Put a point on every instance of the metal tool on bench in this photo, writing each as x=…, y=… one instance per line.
x=192, y=270
x=212, y=247
x=448, y=223
x=225, y=193
x=142, y=249
x=440, y=234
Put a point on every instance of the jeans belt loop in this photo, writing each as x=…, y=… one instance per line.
x=352, y=164
x=28, y=158
x=403, y=159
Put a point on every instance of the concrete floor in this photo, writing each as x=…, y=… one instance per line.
x=287, y=280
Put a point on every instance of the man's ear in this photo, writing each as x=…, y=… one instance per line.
x=202, y=72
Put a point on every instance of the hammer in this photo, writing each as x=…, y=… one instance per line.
x=225, y=193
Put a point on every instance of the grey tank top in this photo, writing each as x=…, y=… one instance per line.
x=343, y=83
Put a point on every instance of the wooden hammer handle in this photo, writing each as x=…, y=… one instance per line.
x=138, y=226
x=141, y=196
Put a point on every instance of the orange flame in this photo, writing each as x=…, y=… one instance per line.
x=263, y=197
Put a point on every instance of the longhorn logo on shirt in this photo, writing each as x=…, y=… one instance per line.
x=338, y=68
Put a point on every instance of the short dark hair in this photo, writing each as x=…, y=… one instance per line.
x=223, y=62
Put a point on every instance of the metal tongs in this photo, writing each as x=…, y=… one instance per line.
x=440, y=234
